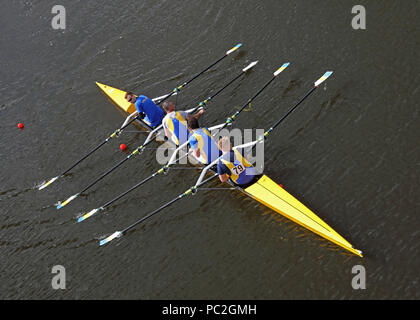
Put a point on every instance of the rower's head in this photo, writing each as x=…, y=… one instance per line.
x=192, y=123
x=168, y=106
x=224, y=144
x=130, y=97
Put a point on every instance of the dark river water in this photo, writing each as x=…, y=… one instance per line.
x=350, y=152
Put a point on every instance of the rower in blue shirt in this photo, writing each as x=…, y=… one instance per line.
x=146, y=106
x=204, y=147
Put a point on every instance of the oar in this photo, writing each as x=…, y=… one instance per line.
x=190, y=191
x=199, y=184
x=316, y=84
x=141, y=148
x=118, y=131
x=165, y=168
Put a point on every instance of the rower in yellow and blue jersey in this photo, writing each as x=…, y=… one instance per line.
x=233, y=165
x=204, y=147
x=175, y=123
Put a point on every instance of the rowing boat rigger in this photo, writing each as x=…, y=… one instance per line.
x=265, y=190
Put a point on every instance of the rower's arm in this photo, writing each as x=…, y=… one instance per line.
x=222, y=171
x=168, y=133
x=196, y=152
x=223, y=177
x=194, y=146
x=198, y=114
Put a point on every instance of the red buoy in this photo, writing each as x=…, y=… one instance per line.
x=281, y=186
x=20, y=126
x=123, y=146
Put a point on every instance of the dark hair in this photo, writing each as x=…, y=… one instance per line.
x=167, y=105
x=128, y=94
x=193, y=122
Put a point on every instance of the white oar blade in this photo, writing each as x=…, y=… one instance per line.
x=284, y=66
x=234, y=48
x=323, y=78
x=64, y=203
x=87, y=215
x=249, y=66
x=46, y=184
x=110, y=238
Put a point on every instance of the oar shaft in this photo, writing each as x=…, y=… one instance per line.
x=182, y=195
x=227, y=85
x=152, y=213
x=128, y=191
x=293, y=108
x=87, y=155
x=105, y=174
x=261, y=90
x=316, y=84
x=199, y=74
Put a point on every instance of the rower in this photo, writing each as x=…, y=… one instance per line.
x=175, y=123
x=232, y=165
x=146, y=106
x=202, y=143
